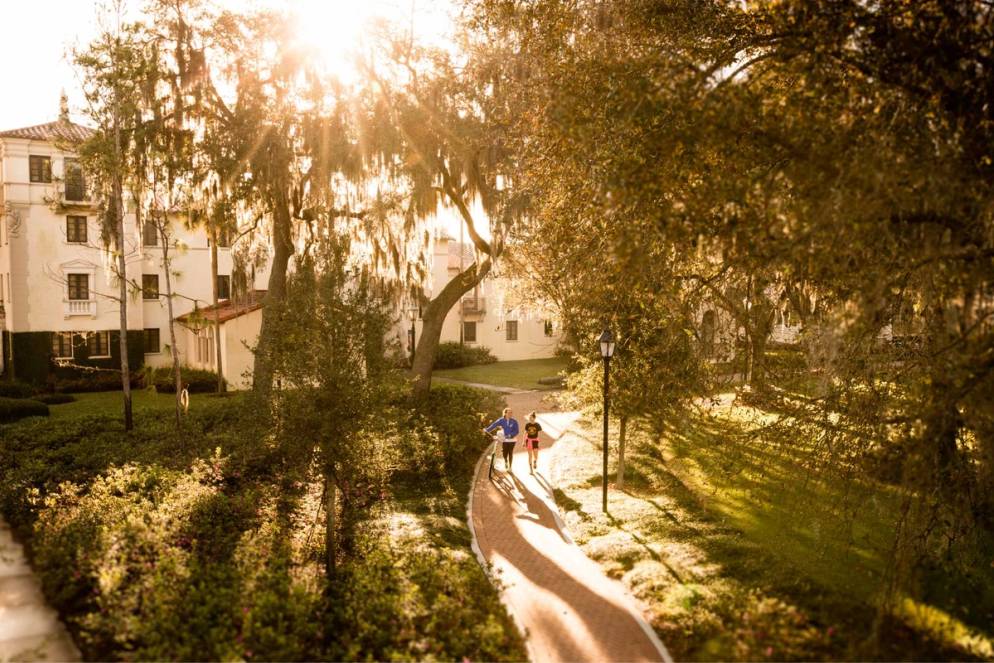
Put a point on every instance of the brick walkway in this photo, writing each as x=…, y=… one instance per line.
x=568, y=608
x=29, y=629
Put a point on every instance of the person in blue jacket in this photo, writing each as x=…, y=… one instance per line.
x=510, y=427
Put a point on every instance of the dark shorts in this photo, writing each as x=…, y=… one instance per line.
x=531, y=443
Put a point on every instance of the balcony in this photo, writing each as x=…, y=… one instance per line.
x=80, y=307
x=474, y=306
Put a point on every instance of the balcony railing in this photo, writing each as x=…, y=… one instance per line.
x=474, y=306
x=74, y=307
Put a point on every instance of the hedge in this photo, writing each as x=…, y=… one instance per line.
x=453, y=355
x=12, y=409
x=16, y=390
x=196, y=381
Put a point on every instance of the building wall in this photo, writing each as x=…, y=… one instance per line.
x=239, y=336
x=499, y=306
x=35, y=256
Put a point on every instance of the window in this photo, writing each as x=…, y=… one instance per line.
x=205, y=347
x=223, y=286
x=79, y=286
x=549, y=330
x=76, y=229
x=152, y=341
x=98, y=344
x=75, y=184
x=469, y=332
x=62, y=345
x=40, y=168
x=512, y=330
x=150, y=286
x=150, y=234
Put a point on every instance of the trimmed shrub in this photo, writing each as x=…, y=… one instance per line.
x=452, y=355
x=55, y=399
x=196, y=381
x=32, y=356
x=16, y=390
x=12, y=409
x=87, y=381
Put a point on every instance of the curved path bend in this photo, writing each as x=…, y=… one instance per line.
x=29, y=629
x=568, y=609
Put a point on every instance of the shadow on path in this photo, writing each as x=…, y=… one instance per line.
x=570, y=610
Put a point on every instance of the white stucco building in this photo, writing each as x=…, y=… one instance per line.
x=491, y=315
x=57, y=289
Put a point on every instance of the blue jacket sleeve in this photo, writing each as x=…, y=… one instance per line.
x=494, y=425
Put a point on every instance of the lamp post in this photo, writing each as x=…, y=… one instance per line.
x=412, y=313
x=607, y=349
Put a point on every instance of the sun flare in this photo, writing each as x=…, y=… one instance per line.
x=339, y=30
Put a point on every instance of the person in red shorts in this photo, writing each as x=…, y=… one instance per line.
x=532, y=429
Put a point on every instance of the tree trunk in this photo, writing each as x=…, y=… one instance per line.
x=757, y=354
x=432, y=319
x=621, y=452
x=217, y=315
x=122, y=267
x=276, y=293
x=166, y=266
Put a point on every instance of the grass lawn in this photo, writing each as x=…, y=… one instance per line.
x=109, y=403
x=522, y=374
x=742, y=551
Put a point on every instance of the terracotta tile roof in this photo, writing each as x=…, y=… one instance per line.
x=228, y=309
x=52, y=131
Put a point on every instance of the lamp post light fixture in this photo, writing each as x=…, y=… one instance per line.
x=412, y=313
x=607, y=350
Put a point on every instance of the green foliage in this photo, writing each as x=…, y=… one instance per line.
x=17, y=389
x=196, y=380
x=815, y=160
x=12, y=409
x=451, y=354
x=418, y=604
x=32, y=356
x=445, y=439
x=90, y=381
x=157, y=544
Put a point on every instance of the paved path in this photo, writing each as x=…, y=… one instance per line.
x=478, y=385
x=561, y=599
x=29, y=629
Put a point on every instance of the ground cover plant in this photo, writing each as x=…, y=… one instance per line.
x=741, y=551
x=205, y=543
